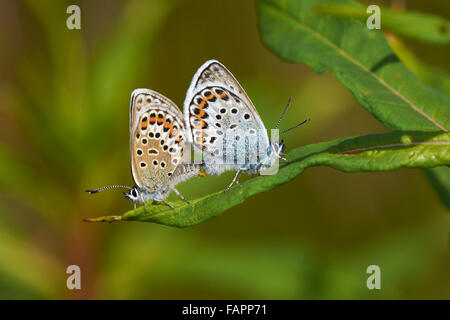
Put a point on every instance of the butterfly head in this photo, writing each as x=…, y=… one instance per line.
x=142, y=195
x=134, y=195
x=278, y=148
x=276, y=151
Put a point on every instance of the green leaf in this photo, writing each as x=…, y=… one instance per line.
x=430, y=75
x=360, y=58
x=414, y=25
x=440, y=80
x=381, y=152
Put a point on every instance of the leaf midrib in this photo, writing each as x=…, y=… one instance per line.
x=394, y=145
x=357, y=63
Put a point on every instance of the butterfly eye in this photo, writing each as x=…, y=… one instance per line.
x=134, y=193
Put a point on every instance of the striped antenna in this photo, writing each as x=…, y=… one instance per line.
x=284, y=112
x=91, y=191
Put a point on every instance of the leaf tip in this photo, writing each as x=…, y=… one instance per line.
x=103, y=219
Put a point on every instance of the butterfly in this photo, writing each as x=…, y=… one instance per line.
x=224, y=124
x=157, y=144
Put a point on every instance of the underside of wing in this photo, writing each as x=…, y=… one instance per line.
x=222, y=120
x=157, y=139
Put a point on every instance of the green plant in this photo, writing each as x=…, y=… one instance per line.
x=363, y=61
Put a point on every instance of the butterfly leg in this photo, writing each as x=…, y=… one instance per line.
x=180, y=195
x=143, y=202
x=239, y=177
x=167, y=204
x=236, y=178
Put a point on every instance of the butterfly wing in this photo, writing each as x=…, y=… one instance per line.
x=157, y=140
x=222, y=121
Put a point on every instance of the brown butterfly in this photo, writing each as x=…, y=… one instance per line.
x=157, y=145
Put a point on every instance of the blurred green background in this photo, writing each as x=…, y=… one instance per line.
x=64, y=98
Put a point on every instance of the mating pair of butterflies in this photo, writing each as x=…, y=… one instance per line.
x=215, y=104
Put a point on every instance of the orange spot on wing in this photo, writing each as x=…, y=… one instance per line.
x=202, y=104
x=201, y=114
x=168, y=125
x=180, y=141
x=222, y=95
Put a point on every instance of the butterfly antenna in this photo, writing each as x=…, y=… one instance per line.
x=284, y=112
x=298, y=125
x=91, y=191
